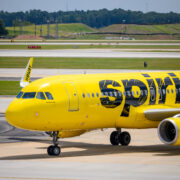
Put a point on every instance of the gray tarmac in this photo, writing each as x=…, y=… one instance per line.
x=16, y=73
x=101, y=53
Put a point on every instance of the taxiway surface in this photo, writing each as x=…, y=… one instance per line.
x=101, y=53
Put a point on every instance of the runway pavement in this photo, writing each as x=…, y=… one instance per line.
x=106, y=53
x=91, y=43
x=16, y=73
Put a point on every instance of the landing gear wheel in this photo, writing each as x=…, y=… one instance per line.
x=54, y=150
x=125, y=138
x=114, y=138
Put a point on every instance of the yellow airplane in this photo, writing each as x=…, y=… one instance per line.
x=70, y=105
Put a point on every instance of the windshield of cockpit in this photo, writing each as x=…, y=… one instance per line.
x=37, y=95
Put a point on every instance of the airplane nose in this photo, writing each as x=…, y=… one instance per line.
x=15, y=114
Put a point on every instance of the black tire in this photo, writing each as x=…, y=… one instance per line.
x=56, y=151
x=50, y=150
x=114, y=138
x=125, y=138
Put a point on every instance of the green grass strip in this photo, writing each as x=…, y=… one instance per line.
x=9, y=87
x=92, y=63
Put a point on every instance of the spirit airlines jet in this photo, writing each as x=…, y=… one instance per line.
x=70, y=105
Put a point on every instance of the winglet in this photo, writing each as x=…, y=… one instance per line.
x=27, y=74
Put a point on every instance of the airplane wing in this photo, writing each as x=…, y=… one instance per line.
x=27, y=74
x=158, y=114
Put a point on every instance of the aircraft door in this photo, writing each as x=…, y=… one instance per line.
x=72, y=96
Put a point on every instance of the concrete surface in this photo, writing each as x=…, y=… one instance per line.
x=38, y=73
x=106, y=53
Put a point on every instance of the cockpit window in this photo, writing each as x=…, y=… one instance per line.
x=40, y=95
x=29, y=95
x=49, y=95
x=19, y=95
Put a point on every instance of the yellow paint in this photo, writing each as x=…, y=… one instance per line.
x=69, y=111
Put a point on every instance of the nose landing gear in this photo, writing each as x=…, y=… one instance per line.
x=118, y=137
x=54, y=150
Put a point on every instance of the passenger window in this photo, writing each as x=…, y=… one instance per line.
x=115, y=94
x=128, y=93
x=168, y=91
x=40, y=95
x=29, y=95
x=111, y=94
x=19, y=95
x=164, y=92
x=97, y=94
x=132, y=93
x=124, y=93
x=137, y=93
x=172, y=91
x=106, y=93
x=49, y=95
x=176, y=91
x=102, y=94
x=83, y=95
x=119, y=94
x=93, y=95
x=145, y=92
x=88, y=95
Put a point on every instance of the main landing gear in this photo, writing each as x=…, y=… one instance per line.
x=54, y=150
x=118, y=137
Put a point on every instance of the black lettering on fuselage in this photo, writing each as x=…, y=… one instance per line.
x=130, y=99
x=152, y=91
x=162, y=85
x=110, y=92
x=177, y=85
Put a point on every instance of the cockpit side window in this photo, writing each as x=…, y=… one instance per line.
x=40, y=95
x=49, y=95
x=19, y=95
x=29, y=95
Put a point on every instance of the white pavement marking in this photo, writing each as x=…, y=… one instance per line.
x=106, y=53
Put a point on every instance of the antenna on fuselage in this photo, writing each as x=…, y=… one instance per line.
x=27, y=74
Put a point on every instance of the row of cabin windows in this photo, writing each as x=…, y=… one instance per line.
x=129, y=93
x=31, y=95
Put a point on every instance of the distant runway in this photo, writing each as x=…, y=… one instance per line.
x=15, y=74
x=91, y=43
x=96, y=53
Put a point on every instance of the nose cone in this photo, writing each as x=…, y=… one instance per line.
x=16, y=113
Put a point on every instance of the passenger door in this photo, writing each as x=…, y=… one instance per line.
x=72, y=96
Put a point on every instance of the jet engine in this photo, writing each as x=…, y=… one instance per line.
x=169, y=130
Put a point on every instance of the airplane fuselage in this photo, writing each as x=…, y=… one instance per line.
x=85, y=102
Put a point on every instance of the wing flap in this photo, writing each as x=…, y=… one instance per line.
x=160, y=114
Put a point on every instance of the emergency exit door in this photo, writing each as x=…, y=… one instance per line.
x=72, y=96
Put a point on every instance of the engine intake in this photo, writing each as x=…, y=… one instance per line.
x=168, y=131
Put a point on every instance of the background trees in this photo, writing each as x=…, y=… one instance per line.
x=3, y=31
x=94, y=18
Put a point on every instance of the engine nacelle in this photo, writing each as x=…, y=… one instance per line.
x=169, y=130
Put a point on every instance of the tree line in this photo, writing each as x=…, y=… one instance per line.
x=93, y=18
